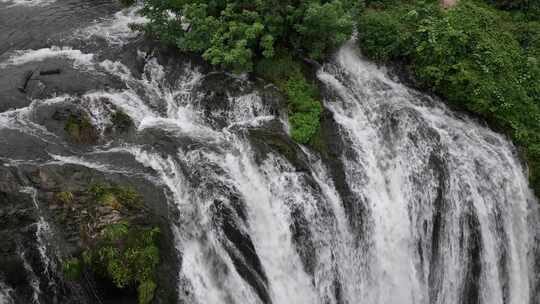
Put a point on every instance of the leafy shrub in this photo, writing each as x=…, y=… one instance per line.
x=477, y=57
x=305, y=108
x=304, y=105
x=128, y=255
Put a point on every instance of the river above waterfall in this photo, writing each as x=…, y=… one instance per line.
x=405, y=202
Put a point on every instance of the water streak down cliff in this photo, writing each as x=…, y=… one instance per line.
x=407, y=203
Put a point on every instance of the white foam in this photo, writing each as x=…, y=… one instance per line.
x=27, y=2
x=79, y=58
x=115, y=31
x=5, y=294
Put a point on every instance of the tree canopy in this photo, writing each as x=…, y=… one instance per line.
x=236, y=33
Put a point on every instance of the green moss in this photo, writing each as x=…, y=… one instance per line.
x=318, y=144
x=302, y=96
x=121, y=120
x=80, y=129
x=72, y=269
x=65, y=197
x=283, y=148
x=116, y=196
x=146, y=291
x=305, y=108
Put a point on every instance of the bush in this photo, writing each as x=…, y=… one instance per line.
x=128, y=255
x=477, y=57
x=303, y=102
x=304, y=107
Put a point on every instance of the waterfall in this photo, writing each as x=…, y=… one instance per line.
x=439, y=209
x=5, y=294
x=448, y=200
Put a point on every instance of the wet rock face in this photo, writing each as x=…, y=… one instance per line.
x=73, y=221
x=17, y=231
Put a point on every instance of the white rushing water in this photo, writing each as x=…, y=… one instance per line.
x=438, y=207
x=395, y=134
x=28, y=3
x=115, y=31
x=78, y=58
x=6, y=294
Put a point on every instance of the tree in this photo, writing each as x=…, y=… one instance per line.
x=236, y=33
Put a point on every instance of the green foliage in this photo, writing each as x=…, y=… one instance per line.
x=146, y=291
x=72, y=268
x=65, y=197
x=528, y=8
x=477, y=57
x=304, y=106
x=116, y=197
x=236, y=33
x=128, y=255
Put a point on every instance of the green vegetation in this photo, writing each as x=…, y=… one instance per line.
x=119, y=246
x=80, y=129
x=478, y=57
x=242, y=35
x=304, y=106
x=529, y=8
x=236, y=33
x=72, y=268
x=128, y=255
x=65, y=197
x=116, y=197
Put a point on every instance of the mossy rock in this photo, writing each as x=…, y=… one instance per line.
x=267, y=140
x=121, y=121
x=289, y=76
x=80, y=129
x=118, y=196
x=65, y=197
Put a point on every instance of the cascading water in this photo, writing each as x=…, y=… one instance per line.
x=433, y=207
x=447, y=200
